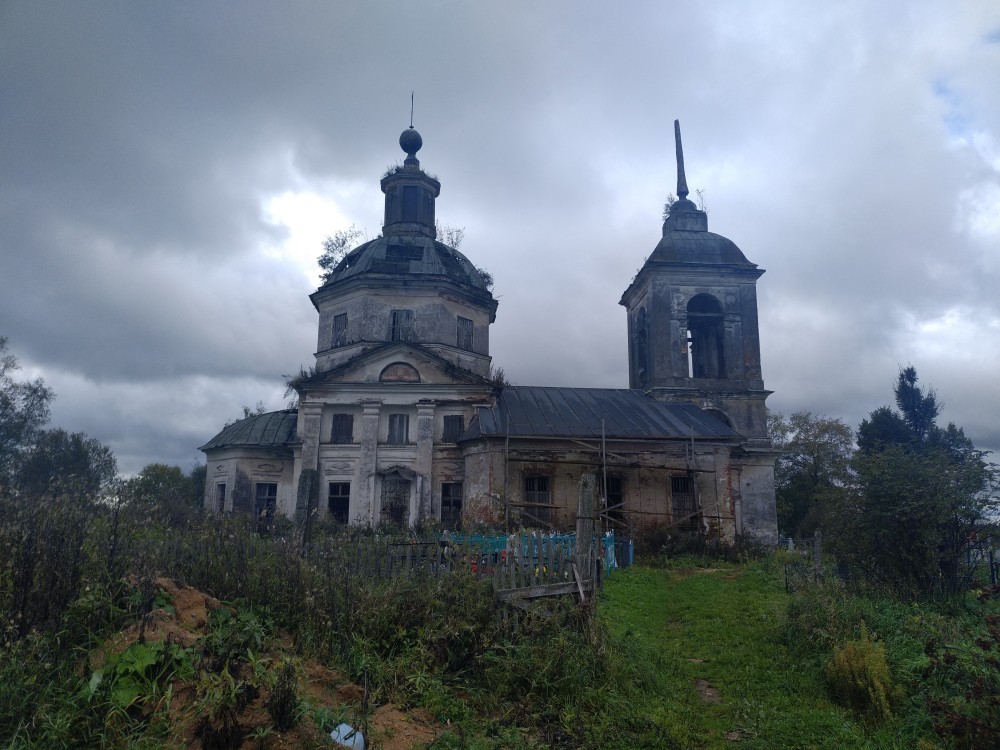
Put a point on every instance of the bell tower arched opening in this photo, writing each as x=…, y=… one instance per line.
x=706, y=338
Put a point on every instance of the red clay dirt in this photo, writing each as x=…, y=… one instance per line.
x=389, y=727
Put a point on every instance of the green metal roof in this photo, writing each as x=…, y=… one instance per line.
x=272, y=430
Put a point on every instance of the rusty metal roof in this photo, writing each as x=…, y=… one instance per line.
x=272, y=430
x=579, y=412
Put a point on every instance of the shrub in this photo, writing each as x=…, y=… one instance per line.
x=283, y=702
x=859, y=677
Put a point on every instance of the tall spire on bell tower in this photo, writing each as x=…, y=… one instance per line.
x=682, y=186
x=683, y=213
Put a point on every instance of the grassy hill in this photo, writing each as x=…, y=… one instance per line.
x=282, y=643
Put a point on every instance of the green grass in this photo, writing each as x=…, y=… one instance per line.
x=725, y=626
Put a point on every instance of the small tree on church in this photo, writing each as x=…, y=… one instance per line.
x=335, y=249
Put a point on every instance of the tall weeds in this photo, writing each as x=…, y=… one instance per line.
x=80, y=569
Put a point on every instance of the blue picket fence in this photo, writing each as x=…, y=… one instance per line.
x=618, y=552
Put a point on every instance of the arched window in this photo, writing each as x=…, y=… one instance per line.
x=706, y=337
x=640, y=334
x=399, y=372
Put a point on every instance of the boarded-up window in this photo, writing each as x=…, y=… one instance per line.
x=399, y=372
x=465, y=334
x=340, y=330
x=340, y=501
x=537, y=499
x=682, y=502
x=451, y=505
x=454, y=426
x=343, y=429
x=399, y=425
x=401, y=325
x=265, y=504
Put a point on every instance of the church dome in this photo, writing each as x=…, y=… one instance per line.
x=693, y=246
x=411, y=256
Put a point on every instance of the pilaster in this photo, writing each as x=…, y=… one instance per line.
x=425, y=454
x=362, y=502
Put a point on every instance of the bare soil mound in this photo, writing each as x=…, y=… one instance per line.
x=184, y=619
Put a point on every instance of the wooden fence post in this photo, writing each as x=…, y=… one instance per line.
x=585, y=529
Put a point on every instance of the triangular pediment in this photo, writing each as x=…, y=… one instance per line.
x=397, y=362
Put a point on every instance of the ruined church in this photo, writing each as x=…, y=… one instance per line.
x=400, y=421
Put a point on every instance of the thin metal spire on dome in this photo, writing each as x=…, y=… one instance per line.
x=411, y=109
x=682, y=187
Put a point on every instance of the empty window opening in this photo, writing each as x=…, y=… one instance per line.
x=399, y=427
x=398, y=253
x=343, y=429
x=706, y=338
x=395, y=501
x=410, y=205
x=339, y=501
x=683, y=503
x=537, y=499
x=464, y=334
x=614, y=509
x=220, y=497
x=339, y=330
x=454, y=426
x=451, y=505
x=265, y=504
x=401, y=326
x=640, y=338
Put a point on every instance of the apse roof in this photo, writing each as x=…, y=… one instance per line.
x=587, y=412
x=271, y=430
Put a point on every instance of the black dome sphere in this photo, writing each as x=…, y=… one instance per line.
x=410, y=141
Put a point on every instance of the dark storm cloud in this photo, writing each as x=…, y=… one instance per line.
x=850, y=150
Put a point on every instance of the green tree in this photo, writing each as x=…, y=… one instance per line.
x=922, y=499
x=24, y=412
x=61, y=462
x=813, y=467
x=166, y=492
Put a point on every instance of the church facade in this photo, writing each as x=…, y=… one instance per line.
x=401, y=421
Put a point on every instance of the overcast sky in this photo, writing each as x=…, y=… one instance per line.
x=168, y=172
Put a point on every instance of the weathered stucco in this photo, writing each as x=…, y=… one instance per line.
x=403, y=345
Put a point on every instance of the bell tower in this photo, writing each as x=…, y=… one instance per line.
x=692, y=320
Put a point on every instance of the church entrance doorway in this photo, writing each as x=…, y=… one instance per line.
x=396, y=500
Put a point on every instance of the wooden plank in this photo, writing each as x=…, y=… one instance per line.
x=579, y=583
x=551, y=589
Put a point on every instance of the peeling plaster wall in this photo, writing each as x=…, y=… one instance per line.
x=646, y=476
x=258, y=465
x=435, y=325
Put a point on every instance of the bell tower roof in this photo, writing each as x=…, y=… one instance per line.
x=686, y=238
